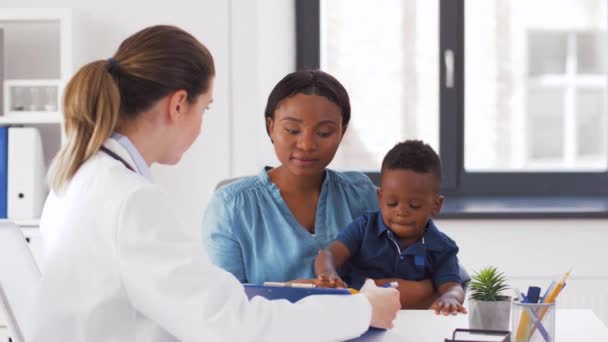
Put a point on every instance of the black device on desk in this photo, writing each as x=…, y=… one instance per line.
x=479, y=335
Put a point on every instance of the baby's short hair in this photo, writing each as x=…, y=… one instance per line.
x=413, y=155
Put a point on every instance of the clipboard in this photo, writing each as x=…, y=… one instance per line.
x=479, y=335
x=292, y=294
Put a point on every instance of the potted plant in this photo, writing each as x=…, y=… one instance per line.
x=489, y=308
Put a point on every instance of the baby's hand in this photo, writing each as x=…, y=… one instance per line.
x=331, y=280
x=448, y=306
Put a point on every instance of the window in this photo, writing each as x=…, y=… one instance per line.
x=535, y=86
x=511, y=94
x=393, y=87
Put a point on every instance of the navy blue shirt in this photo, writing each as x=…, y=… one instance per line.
x=377, y=253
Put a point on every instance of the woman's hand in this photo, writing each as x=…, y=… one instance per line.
x=385, y=304
x=330, y=280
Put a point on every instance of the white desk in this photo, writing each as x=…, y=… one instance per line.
x=571, y=325
x=423, y=325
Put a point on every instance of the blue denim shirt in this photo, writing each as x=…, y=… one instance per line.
x=377, y=253
x=249, y=231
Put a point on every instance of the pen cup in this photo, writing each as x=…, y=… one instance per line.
x=532, y=322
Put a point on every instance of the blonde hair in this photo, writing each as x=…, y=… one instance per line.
x=147, y=66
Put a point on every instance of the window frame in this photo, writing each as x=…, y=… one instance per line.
x=457, y=182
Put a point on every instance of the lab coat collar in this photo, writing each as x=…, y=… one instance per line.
x=142, y=167
x=129, y=154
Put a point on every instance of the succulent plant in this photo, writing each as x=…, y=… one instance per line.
x=488, y=285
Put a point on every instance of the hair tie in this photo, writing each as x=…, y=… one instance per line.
x=112, y=65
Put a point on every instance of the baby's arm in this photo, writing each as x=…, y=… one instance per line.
x=451, y=297
x=413, y=294
x=328, y=261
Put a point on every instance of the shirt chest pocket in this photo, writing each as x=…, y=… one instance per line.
x=411, y=267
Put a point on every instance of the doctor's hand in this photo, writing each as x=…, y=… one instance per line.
x=385, y=304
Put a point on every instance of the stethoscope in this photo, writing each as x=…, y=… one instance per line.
x=116, y=156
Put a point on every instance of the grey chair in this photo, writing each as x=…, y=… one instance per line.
x=226, y=181
x=19, y=278
x=465, y=278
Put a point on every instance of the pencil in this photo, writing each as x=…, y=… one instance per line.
x=280, y=284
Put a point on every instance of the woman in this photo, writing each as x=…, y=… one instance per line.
x=270, y=227
x=119, y=265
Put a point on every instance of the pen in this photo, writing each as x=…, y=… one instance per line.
x=392, y=284
x=280, y=284
x=533, y=294
x=542, y=299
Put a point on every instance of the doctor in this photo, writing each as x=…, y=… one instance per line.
x=119, y=266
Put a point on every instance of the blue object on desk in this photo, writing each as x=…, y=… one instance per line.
x=292, y=294
x=533, y=294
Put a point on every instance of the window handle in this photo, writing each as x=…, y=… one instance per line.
x=448, y=60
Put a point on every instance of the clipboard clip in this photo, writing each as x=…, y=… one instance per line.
x=469, y=335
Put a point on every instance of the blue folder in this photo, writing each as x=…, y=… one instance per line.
x=3, y=170
x=292, y=294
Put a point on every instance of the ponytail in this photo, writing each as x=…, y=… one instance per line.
x=91, y=104
x=149, y=65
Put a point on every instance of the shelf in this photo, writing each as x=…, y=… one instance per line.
x=24, y=90
x=32, y=223
x=56, y=16
x=24, y=223
x=37, y=58
x=21, y=14
x=30, y=118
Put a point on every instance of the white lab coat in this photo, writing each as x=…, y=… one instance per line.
x=120, y=266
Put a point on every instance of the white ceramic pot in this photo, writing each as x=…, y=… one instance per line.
x=489, y=315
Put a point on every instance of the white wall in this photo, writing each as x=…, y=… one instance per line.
x=263, y=50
